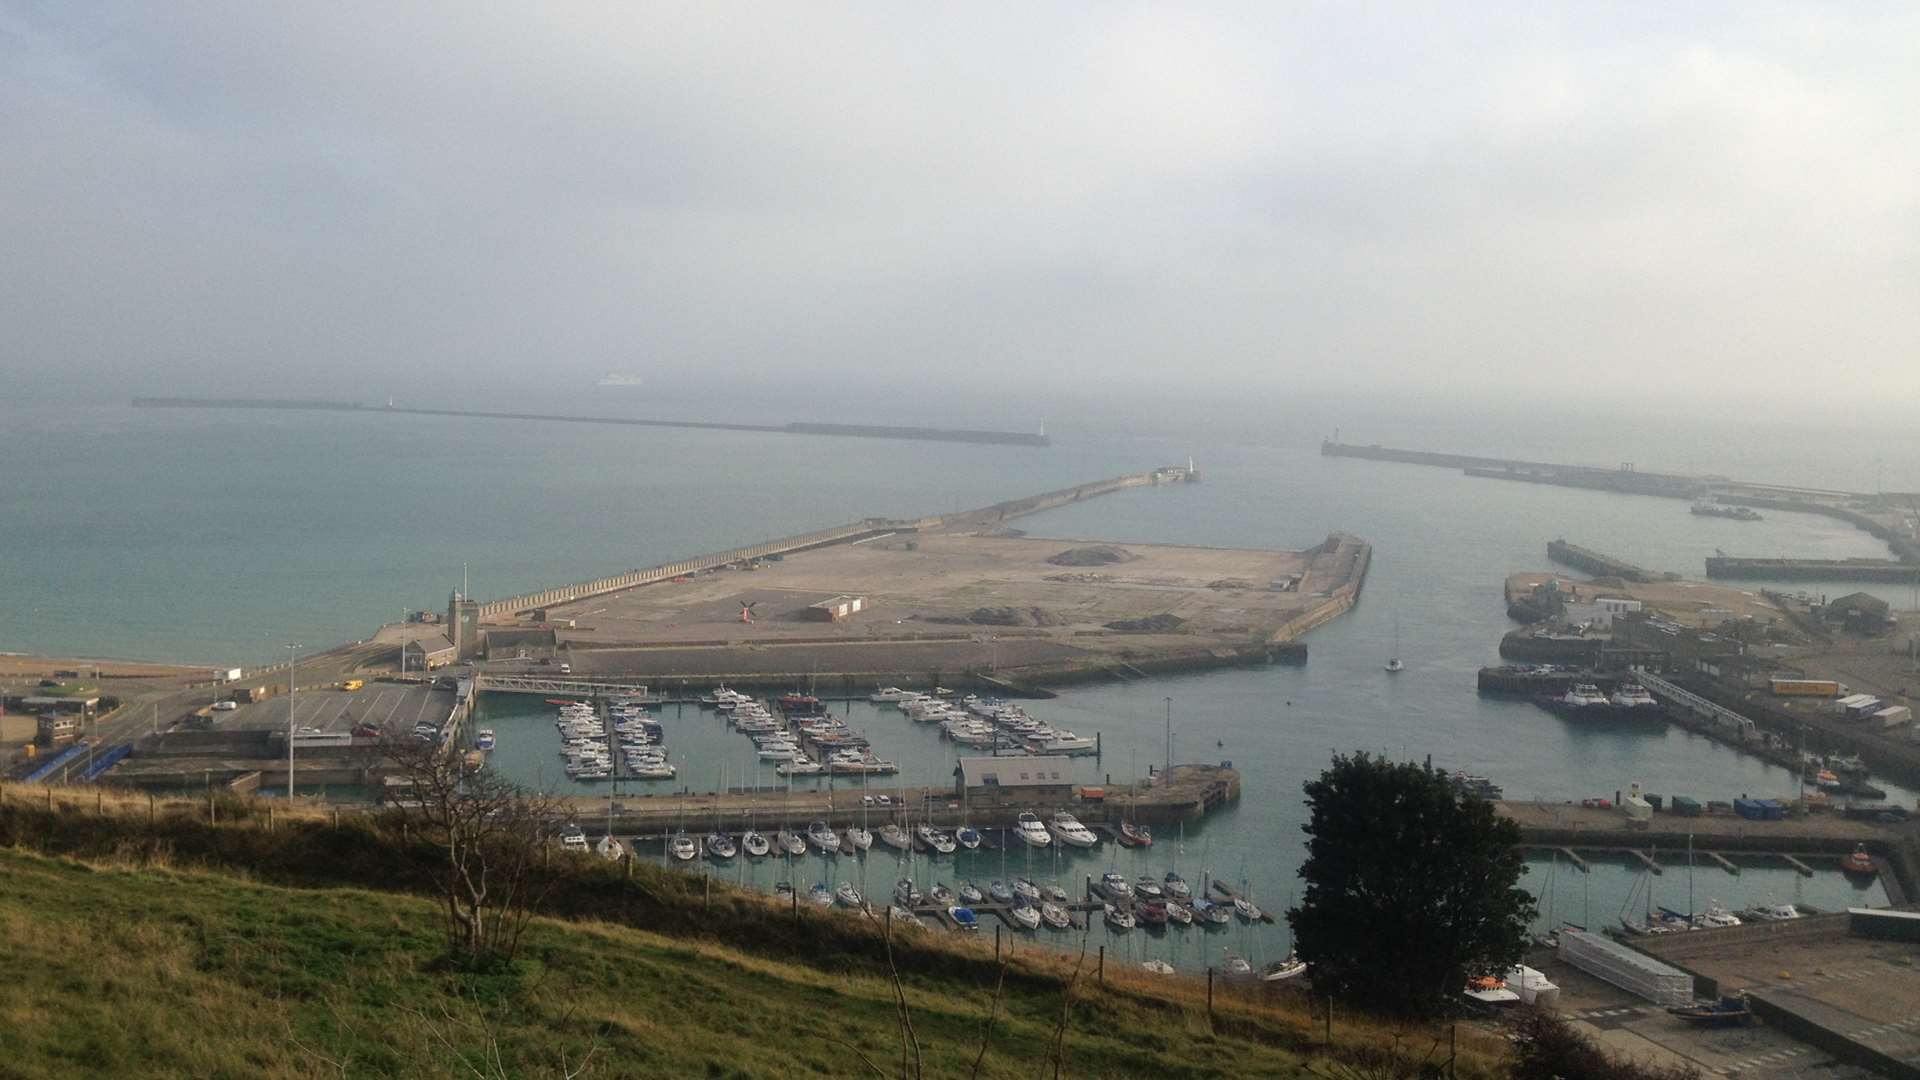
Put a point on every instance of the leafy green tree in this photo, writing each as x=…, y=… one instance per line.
x=1412, y=887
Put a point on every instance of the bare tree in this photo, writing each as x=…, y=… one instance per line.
x=492, y=833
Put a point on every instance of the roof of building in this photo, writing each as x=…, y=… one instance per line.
x=836, y=601
x=1016, y=771
x=1864, y=603
x=431, y=645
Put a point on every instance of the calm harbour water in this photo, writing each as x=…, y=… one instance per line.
x=213, y=536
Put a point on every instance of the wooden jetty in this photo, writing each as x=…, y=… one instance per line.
x=1646, y=859
x=1576, y=860
x=1230, y=894
x=1805, y=870
x=1724, y=862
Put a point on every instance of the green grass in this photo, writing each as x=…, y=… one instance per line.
x=160, y=972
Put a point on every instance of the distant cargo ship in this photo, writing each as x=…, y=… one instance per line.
x=623, y=380
x=1737, y=513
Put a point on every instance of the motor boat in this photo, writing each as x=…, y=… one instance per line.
x=1024, y=889
x=847, y=896
x=1175, y=887
x=1247, y=909
x=573, y=838
x=963, y=918
x=1860, y=862
x=754, y=844
x=1132, y=835
x=1113, y=885
x=1150, y=912
x=1030, y=830
x=1067, y=829
x=971, y=894
x=1281, y=970
x=1208, y=913
x=935, y=839
x=1055, y=916
x=1179, y=914
x=968, y=837
x=822, y=837
x=1772, y=913
x=1117, y=918
x=483, y=739
x=1148, y=889
x=1024, y=915
x=887, y=695
x=1055, y=893
x=1235, y=967
x=940, y=894
x=683, y=848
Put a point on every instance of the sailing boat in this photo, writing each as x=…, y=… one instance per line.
x=1393, y=662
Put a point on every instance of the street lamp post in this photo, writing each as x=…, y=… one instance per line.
x=292, y=685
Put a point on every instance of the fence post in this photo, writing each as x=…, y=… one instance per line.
x=1100, y=971
x=336, y=818
x=996, y=944
x=269, y=817
x=149, y=807
x=1329, y=1019
x=99, y=801
x=1209, y=995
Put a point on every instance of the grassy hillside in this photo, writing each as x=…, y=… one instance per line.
x=179, y=948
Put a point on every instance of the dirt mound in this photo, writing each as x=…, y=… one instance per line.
x=1162, y=623
x=1001, y=616
x=1098, y=555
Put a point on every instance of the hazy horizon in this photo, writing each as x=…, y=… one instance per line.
x=1504, y=204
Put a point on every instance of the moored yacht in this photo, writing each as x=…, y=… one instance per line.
x=1030, y=831
x=1067, y=829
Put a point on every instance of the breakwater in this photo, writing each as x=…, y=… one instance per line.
x=859, y=530
x=1882, y=570
x=1593, y=562
x=865, y=431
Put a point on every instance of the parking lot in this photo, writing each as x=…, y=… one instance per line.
x=393, y=707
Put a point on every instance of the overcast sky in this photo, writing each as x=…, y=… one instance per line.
x=269, y=198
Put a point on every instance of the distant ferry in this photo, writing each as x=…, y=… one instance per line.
x=623, y=380
x=1737, y=513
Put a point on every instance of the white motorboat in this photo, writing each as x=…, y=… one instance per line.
x=797, y=764
x=1716, y=917
x=1024, y=915
x=1633, y=696
x=573, y=838
x=683, y=848
x=1115, y=887
x=1030, y=831
x=1281, y=970
x=1179, y=913
x=940, y=842
x=1023, y=889
x=888, y=695
x=1067, y=829
x=1772, y=913
x=1118, y=918
x=822, y=837
x=1055, y=916
x=1235, y=967
x=1246, y=909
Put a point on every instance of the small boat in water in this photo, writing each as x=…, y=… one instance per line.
x=895, y=837
x=847, y=896
x=483, y=739
x=1860, y=862
x=968, y=837
x=1117, y=918
x=1055, y=916
x=858, y=839
x=997, y=890
x=683, y=848
x=940, y=894
x=1210, y=914
x=1055, y=893
x=790, y=842
x=1176, y=887
x=1281, y=970
x=1031, y=832
x=1024, y=915
x=1235, y=967
x=906, y=895
x=1148, y=889
x=1179, y=914
x=1113, y=885
x=1150, y=912
x=609, y=848
x=1067, y=829
x=1132, y=835
x=963, y=918
x=1024, y=889
x=1247, y=909
x=971, y=894
x=720, y=845
x=573, y=838
x=820, y=894
x=821, y=836
x=754, y=844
